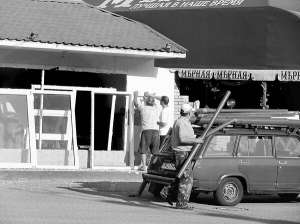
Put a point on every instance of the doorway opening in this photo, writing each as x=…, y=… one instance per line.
x=246, y=94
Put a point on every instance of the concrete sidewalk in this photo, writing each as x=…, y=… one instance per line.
x=103, y=180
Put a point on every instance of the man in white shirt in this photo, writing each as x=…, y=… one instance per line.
x=165, y=118
x=150, y=129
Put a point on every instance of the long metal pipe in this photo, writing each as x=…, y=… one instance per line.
x=197, y=146
x=210, y=110
x=258, y=122
x=224, y=125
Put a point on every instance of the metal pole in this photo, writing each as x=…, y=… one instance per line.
x=197, y=146
x=41, y=110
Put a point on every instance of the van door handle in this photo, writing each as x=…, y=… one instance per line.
x=282, y=162
x=244, y=162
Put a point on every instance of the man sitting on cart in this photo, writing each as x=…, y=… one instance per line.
x=182, y=140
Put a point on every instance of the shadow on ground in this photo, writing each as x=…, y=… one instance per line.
x=117, y=190
x=128, y=198
x=209, y=200
x=126, y=191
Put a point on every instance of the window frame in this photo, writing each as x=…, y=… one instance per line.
x=204, y=156
x=256, y=135
x=285, y=136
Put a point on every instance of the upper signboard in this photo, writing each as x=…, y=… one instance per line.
x=239, y=74
x=133, y=5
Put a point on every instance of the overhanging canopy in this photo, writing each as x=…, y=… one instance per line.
x=224, y=34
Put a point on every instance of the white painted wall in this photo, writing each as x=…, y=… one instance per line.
x=80, y=62
x=162, y=83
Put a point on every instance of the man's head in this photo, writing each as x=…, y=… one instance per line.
x=164, y=101
x=186, y=110
x=150, y=100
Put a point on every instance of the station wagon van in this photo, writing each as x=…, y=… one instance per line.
x=238, y=161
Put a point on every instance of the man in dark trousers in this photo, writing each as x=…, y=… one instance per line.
x=182, y=140
x=150, y=129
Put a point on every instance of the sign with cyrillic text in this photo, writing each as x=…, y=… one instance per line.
x=239, y=74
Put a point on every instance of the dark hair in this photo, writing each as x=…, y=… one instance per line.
x=165, y=100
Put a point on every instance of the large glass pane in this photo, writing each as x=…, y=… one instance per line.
x=55, y=145
x=52, y=124
x=52, y=102
x=14, y=129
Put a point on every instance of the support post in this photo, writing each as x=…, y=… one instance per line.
x=131, y=132
x=111, y=122
x=41, y=110
x=92, y=139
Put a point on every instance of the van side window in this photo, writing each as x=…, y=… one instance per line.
x=255, y=146
x=287, y=146
x=220, y=145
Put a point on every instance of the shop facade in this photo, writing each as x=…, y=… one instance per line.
x=67, y=74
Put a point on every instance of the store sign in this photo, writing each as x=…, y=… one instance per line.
x=289, y=75
x=128, y=5
x=239, y=74
x=222, y=74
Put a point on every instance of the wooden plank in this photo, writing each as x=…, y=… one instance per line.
x=131, y=132
x=111, y=122
x=76, y=88
x=92, y=143
x=8, y=91
x=125, y=132
x=74, y=130
x=54, y=113
x=55, y=137
x=41, y=110
x=31, y=123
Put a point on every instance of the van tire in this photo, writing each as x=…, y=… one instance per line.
x=230, y=192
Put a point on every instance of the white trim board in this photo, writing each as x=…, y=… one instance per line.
x=87, y=49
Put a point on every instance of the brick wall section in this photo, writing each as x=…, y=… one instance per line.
x=178, y=101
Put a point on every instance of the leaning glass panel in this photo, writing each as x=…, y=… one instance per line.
x=14, y=129
x=55, y=142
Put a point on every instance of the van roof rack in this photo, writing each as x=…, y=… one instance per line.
x=248, y=118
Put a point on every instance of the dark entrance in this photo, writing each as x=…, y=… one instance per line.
x=246, y=94
x=23, y=79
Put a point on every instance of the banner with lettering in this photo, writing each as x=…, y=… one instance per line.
x=133, y=5
x=239, y=74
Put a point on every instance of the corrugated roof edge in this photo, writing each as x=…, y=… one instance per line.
x=84, y=4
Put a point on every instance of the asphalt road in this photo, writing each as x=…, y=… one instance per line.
x=84, y=203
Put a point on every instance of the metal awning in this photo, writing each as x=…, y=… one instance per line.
x=138, y=5
x=221, y=34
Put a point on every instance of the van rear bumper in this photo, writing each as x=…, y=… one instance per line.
x=158, y=179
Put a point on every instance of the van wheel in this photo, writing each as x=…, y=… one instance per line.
x=230, y=192
x=288, y=196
